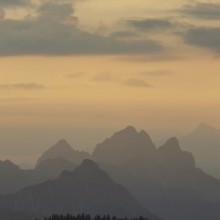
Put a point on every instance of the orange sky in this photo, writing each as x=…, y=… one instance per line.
x=83, y=66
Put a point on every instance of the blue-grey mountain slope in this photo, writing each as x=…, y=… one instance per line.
x=64, y=150
x=204, y=143
x=88, y=189
x=166, y=179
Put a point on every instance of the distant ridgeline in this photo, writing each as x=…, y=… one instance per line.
x=88, y=217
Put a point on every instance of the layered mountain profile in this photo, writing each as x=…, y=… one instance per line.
x=88, y=189
x=64, y=150
x=204, y=143
x=165, y=179
x=12, y=178
x=125, y=148
x=51, y=168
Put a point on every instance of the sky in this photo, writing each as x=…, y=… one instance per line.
x=82, y=69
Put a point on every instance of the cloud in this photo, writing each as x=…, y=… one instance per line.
x=75, y=75
x=103, y=77
x=203, y=10
x=134, y=82
x=204, y=37
x=124, y=34
x=107, y=77
x=54, y=31
x=157, y=73
x=151, y=24
x=22, y=86
x=56, y=11
x=13, y=3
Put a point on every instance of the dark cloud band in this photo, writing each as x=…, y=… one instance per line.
x=204, y=37
x=210, y=11
x=55, y=32
x=14, y=3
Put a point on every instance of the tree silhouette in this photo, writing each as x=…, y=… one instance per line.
x=88, y=217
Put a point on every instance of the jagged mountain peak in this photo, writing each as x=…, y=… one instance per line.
x=144, y=133
x=172, y=144
x=89, y=164
x=204, y=125
x=88, y=167
x=62, y=144
x=205, y=128
x=171, y=156
x=204, y=143
x=63, y=149
x=129, y=130
x=130, y=134
x=125, y=146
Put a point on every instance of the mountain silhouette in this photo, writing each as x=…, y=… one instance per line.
x=165, y=180
x=125, y=147
x=171, y=156
x=64, y=150
x=12, y=178
x=51, y=168
x=162, y=178
x=88, y=189
x=204, y=143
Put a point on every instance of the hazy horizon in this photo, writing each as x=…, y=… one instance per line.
x=27, y=144
x=133, y=88
x=75, y=67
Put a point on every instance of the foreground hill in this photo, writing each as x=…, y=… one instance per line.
x=88, y=189
x=12, y=178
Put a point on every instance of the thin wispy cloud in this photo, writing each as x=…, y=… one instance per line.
x=22, y=86
x=107, y=77
x=75, y=75
x=150, y=24
x=104, y=77
x=157, y=73
x=136, y=83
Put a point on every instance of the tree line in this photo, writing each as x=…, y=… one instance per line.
x=89, y=217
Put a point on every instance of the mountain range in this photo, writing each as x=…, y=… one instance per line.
x=13, y=178
x=204, y=143
x=165, y=180
x=87, y=189
x=64, y=150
